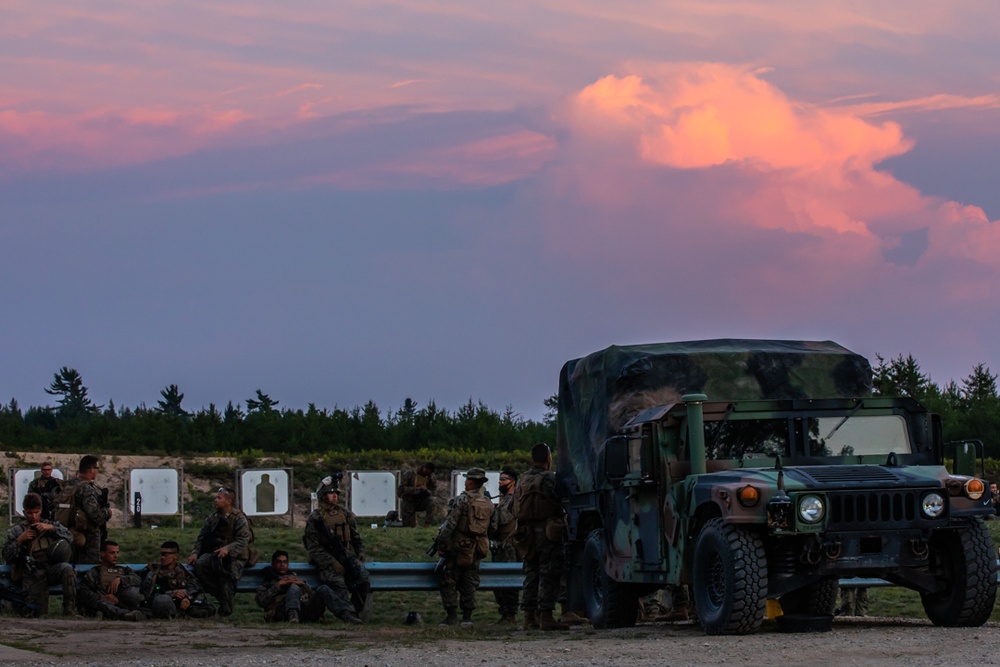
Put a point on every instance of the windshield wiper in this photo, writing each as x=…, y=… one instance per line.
x=841, y=422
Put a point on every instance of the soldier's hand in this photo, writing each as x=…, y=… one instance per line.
x=43, y=527
x=180, y=593
x=27, y=535
x=113, y=586
x=222, y=552
x=108, y=597
x=192, y=559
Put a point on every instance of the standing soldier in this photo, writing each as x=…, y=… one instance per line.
x=169, y=589
x=48, y=487
x=109, y=590
x=335, y=548
x=540, y=525
x=83, y=508
x=463, y=540
x=223, y=548
x=38, y=553
x=502, y=528
x=416, y=494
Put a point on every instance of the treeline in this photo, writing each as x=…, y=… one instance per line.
x=76, y=424
x=970, y=409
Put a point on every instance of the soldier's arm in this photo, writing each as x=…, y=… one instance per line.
x=202, y=536
x=406, y=487
x=451, y=521
x=89, y=503
x=61, y=530
x=129, y=578
x=10, y=545
x=318, y=556
x=241, y=536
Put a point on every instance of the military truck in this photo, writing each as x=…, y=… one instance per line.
x=756, y=470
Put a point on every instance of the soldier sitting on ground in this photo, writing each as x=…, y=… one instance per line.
x=169, y=589
x=285, y=597
x=109, y=590
x=39, y=553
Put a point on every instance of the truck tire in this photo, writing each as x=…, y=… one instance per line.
x=818, y=599
x=609, y=603
x=729, y=578
x=966, y=560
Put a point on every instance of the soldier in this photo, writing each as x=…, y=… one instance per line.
x=416, y=494
x=169, y=589
x=540, y=526
x=335, y=548
x=853, y=601
x=109, y=590
x=502, y=528
x=48, y=487
x=223, y=547
x=38, y=553
x=285, y=597
x=463, y=540
x=83, y=508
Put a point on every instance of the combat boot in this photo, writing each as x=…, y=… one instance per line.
x=530, y=620
x=507, y=619
x=293, y=616
x=546, y=622
x=451, y=618
x=466, y=619
x=349, y=617
x=570, y=617
x=135, y=616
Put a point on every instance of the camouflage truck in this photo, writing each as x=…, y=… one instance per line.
x=752, y=470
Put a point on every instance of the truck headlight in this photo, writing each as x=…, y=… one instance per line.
x=932, y=505
x=811, y=509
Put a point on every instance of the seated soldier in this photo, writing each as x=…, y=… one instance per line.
x=285, y=597
x=169, y=589
x=109, y=590
x=38, y=553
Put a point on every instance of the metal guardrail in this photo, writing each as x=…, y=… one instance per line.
x=388, y=576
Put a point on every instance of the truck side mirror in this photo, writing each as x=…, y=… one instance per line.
x=967, y=454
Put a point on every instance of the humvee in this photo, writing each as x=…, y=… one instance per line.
x=752, y=470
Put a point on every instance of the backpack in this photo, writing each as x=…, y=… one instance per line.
x=478, y=512
x=67, y=513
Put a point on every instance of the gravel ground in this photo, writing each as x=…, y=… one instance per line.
x=852, y=642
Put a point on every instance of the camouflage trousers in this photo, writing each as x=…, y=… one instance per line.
x=458, y=586
x=216, y=578
x=90, y=552
x=165, y=605
x=507, y=598
x=408, y=509
x=128, y=600
x=853, y=601
x=37, y=583
x=543, y=569
x=353, y=594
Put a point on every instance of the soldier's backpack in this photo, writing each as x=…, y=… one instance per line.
x=530, y=504
x=69, y=515
x=473, y=526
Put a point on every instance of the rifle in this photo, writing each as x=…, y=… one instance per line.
x=16, y=598
x=435, y=547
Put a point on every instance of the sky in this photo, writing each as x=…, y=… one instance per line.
x=364, y=200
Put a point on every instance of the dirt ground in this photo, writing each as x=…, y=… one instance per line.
x=852, y=642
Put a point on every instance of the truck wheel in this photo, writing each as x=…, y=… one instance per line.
x=966, y=561
x=729, y=579
x=610, y=604
x=818, y=599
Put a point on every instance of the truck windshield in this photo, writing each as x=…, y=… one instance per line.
x=734, y=439
x=858, y=436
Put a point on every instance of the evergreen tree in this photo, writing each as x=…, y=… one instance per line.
x=170, y=404
x=73, y=401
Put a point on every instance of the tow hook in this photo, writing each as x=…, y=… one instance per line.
x=919, y=546
x=832, y=549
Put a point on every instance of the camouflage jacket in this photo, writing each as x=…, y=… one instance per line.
x=157, y=580
x=410, y=479
x=539, y=495
x=270, y=594
x=88, y=502
x=341, y=523
x=504, y=523
x=230, y=530
x=11, y=549
x=90, y=589
x=450, y=531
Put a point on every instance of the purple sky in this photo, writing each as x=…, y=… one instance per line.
x=444, y=201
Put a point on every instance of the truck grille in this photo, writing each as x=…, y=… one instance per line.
x=847, y=474
x=882, y=509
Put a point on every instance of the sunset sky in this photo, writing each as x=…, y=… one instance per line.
x=353, y=201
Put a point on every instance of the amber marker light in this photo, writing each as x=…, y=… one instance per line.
x=975, y=488
x=749, y=496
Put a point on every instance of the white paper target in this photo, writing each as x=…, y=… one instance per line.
x=492, y=483
x=22, y=480
x=372, y=493
x=265, y=492
x=159, y=488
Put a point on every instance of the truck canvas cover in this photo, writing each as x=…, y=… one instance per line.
x=601, y=392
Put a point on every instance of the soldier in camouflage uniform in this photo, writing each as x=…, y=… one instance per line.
x=48, y=487
x=222, y=550
x=169, y=589
x=89, y=513
x=38, y=552
x=539, y=537
x=502, y=528
x=416, y=493
x=109, y=590
x=463, y=540
x=285, y=597
x=335, y=547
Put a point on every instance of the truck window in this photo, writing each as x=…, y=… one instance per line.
x=858, y=436
x=734, y=439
